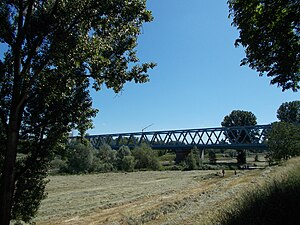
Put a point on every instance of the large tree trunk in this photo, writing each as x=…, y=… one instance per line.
x=7, y=185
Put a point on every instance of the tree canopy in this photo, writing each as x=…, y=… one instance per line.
x=270, y=31
x=57, y=50
x=239, y=118
x=289, y=112
x=284, y=141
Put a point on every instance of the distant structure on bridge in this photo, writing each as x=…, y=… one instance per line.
x=244, y=137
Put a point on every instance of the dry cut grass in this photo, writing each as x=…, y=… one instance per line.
x=160, y=197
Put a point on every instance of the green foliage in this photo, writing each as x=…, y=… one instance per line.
x=193, y=160
x=212, y=157
x=56, y=51
x=57, y=165
x=128, y=163
x=29, y=192
x=289, y=112
x=241, y=156
x=190, y=162
x=269, y=30
x=106, y=159
x=80, y=158
x=275, y=203
x=145, y=158
x=240, y=118
x=124, y=160
x=283, y=141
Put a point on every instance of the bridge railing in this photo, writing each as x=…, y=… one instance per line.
x=220, y=137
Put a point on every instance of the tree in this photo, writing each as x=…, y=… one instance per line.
x=241, y=156
x=56, y=50
x=107, y=159
x=79, y=157
x=289, y=112
x=212, y=157
x=122, y=163
x=283, y=141
x=240, y=118
x=193, y=160
x=270, y=31
x=145, y=157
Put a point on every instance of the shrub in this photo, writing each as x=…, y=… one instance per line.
x=57, y=164
x=128, y=163
x=212, y=157
x=193, y=160
x=145, y=158
x=120, y=155
x=79, y=158
x=106, y=159
x=241, y=156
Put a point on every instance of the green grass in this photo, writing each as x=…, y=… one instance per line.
x=277, y=202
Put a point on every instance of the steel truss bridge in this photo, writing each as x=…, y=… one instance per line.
x=244, y=137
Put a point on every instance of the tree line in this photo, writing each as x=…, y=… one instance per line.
x=80, y=157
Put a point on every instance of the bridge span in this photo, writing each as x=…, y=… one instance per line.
x=243, y=137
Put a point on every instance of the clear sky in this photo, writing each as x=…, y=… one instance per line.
x=198, y=79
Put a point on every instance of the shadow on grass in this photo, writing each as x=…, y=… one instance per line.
x=277, y=203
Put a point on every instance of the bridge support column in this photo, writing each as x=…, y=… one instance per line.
x=202, y=153
x=181, y=155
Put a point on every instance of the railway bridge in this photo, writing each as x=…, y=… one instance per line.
x=182, y=141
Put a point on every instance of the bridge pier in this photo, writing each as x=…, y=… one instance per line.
x=181, y=155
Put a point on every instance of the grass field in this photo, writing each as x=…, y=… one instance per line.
x=161, y=197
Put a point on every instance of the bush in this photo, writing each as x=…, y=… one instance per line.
x=57, y=164
x=241, y=156
x=212, y=157
x=193, y=160
x=145, y=158
x=123, y=152
x=128, y=163
x=79, y=158
x=106, y=159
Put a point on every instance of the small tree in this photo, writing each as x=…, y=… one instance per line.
x=193, y=160
x=190, y=162
x=106, y=159
x=145, y=158
x=124, y=159
x=128, y=163
x=284, y=141
x=241, y=156
x=79, y=158
x=212, y=157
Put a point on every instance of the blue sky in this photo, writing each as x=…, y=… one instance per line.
x=198, y=79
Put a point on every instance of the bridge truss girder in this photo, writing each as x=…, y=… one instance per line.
x=244, y=137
